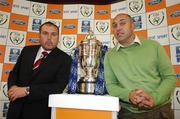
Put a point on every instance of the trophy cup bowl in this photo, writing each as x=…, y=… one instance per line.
x=89, y=62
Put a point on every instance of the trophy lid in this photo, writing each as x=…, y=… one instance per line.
x=91, y=39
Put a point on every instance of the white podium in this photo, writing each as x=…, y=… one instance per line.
x=81, y=106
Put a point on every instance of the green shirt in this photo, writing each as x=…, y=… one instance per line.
x=144, y=66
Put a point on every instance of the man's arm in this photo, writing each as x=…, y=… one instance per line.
x=166, y=72
x=58, y=84
x=112, y=84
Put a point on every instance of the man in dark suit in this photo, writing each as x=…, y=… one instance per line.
x=30, y=82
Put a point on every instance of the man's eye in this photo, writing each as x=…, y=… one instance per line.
x=122, y=23
x=44, y=33
x=54, y=34
x=114, y=25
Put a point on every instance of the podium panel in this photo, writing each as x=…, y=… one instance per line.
x=81, y=106
x=82, y=114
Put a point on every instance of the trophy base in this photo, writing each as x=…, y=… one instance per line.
x=86, y=87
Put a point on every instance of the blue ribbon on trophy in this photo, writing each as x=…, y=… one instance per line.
x=73, y=74
x=100, y=87
x=90, y=54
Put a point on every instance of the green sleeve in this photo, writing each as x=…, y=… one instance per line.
x=166, y=72
x=112, y=84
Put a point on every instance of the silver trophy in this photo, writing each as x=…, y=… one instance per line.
x=89, y=62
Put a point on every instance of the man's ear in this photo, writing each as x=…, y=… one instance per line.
x=133, y=26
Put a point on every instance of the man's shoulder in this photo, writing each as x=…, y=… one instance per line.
x=61, y=53
x=31, y=47
x=149, y=42
x=111, y=50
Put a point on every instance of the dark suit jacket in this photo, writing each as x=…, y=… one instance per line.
x=51, y=78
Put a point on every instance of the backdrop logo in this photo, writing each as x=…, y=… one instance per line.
x=156, y=18
x=102, y=11
x=69, y=26
x=86, y=11
x=18, y=22
x=175, y=13
x=68, y=41
x=7, y=72
x=137, y=21
x=14, y=54
x=102, y=26
x=175, y=31
x=16, y=37
x=178, y=53
x=114, y=41
x=154, y=2
x=135, y=5
x=4, y=3
x=54, y=11
x=178, y=96
x=3, y=18
x=36, y=24
x=34, y=40
x=38, y=9
x=5, y=90
x=85, y=26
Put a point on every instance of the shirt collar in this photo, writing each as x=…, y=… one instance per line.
x=136, y=40
x=41, y=50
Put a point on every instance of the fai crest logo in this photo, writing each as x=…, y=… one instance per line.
x=175, y=31
x=68, y=41
x=156, y=18
x=3, y=18
x=135, y=5
x=38, y=9
x=102, y=26
x=16, y=37
x=5, y=90
x=114, y=41
x=86, y=11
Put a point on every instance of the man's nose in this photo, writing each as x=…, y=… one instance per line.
x=49, y=36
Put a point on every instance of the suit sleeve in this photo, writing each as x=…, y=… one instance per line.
x=43, y=90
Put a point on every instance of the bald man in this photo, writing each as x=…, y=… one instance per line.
x=139, y=73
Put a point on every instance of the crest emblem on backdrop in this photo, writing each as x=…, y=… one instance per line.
x=68, y=41
x=175, y=31
x=102, y=26
x=38, y=9
x=3, y=18
x=135, y=5
x=156, y=18
x=86, y=11
x=178, y=96
x=16, y=38
x=5, y=90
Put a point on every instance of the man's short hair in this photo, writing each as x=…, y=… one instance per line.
x=48, y=23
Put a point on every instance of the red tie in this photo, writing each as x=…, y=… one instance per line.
x=40, y=60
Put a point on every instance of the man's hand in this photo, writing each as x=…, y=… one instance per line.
x=141, y=98
x=16, y=92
